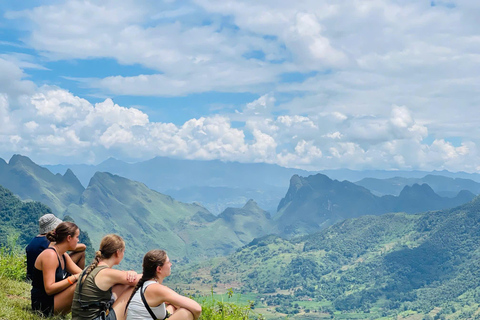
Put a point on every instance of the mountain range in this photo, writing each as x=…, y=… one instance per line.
x=314, y=202
x=442, y=185
x=217, y=185
x=214, y=184
x=190, y=232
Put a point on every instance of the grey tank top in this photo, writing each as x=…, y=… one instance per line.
x=136, y=308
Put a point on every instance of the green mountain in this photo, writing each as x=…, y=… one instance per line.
x=442, y=185
x=315, y=202
x=214, y=184
x=31, y=182
x=19, y=221
x=148, y=219
x=372, y=265
x=248, y=222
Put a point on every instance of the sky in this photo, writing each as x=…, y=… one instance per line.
x=307, y=84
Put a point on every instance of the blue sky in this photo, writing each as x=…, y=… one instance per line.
x=313, y=85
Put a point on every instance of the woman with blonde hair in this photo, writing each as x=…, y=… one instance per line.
x=152, y=300
x=102, y=292
x=52, y=287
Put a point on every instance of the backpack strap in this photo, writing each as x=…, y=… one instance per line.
x=85, y=305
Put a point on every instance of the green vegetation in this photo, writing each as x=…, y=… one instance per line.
x=15, y=296
x=371, y=267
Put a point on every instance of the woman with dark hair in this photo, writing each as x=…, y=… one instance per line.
x=152, y=300
x=52, y=289
x=102, y=292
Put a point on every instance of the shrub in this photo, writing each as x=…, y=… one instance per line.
x=12, y=264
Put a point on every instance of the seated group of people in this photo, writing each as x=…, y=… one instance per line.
x=61, y=284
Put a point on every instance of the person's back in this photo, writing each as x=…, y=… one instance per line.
x=33, y=250
x=89, y=300
x=137, y=309
x=46, y=223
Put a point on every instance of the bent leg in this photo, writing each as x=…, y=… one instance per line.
x=78, y=258
x=123, y=292
x=181, y=314
x=62, y=301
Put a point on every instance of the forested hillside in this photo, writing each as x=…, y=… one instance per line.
x=19, y=222
x=385, y=264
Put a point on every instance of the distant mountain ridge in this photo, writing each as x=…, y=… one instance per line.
x=442, y=185
x=317, y=201
x=33, y=182
x=237, y=182
x=149, y=219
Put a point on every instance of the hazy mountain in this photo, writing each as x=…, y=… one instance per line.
x=214, y=184
x=162, y=173
x=444, y=186
x=317, y=201
x=216, y=199
x=31, y=182
x=377, y=265
x=148, y=219
x=249, y=222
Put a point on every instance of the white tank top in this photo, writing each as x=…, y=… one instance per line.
x=137, y=311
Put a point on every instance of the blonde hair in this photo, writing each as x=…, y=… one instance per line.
x=110, y=244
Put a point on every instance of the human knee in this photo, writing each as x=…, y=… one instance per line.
x=183, y=314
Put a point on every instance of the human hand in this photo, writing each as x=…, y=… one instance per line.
x=131, y=276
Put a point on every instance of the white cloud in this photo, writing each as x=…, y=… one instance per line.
x=60, y=124
x=359, y=84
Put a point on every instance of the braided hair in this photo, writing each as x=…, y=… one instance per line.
x=110, y=244
x=62, y=231
x=151, y=260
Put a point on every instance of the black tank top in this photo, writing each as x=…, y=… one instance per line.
x=38, y=288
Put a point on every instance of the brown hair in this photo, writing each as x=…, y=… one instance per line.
x=62, y=231
x=151, y=260
x=110, y=244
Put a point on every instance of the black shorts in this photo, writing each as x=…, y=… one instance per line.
x=43, y=304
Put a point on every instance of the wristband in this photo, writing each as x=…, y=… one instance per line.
x=69, y=281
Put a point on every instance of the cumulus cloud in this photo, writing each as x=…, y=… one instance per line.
x=358, y=84
x=61, y=125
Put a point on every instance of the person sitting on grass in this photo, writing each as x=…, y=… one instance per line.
x=102, y=292
x=46, y=223
x=52, y=288
x=152, y=300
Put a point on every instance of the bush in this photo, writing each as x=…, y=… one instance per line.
x=213, y=309
x=12, y=264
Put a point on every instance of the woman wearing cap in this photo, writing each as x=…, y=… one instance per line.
x=152, y=300
x=102, y=292
x=52, y=289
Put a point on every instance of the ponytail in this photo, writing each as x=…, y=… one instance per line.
x=110, y=244
x=62, y=231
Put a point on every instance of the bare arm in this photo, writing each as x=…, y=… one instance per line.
x=47, y=262
x=80, y=247
x=107, y=278
x=157, y=294
x=71, y=266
